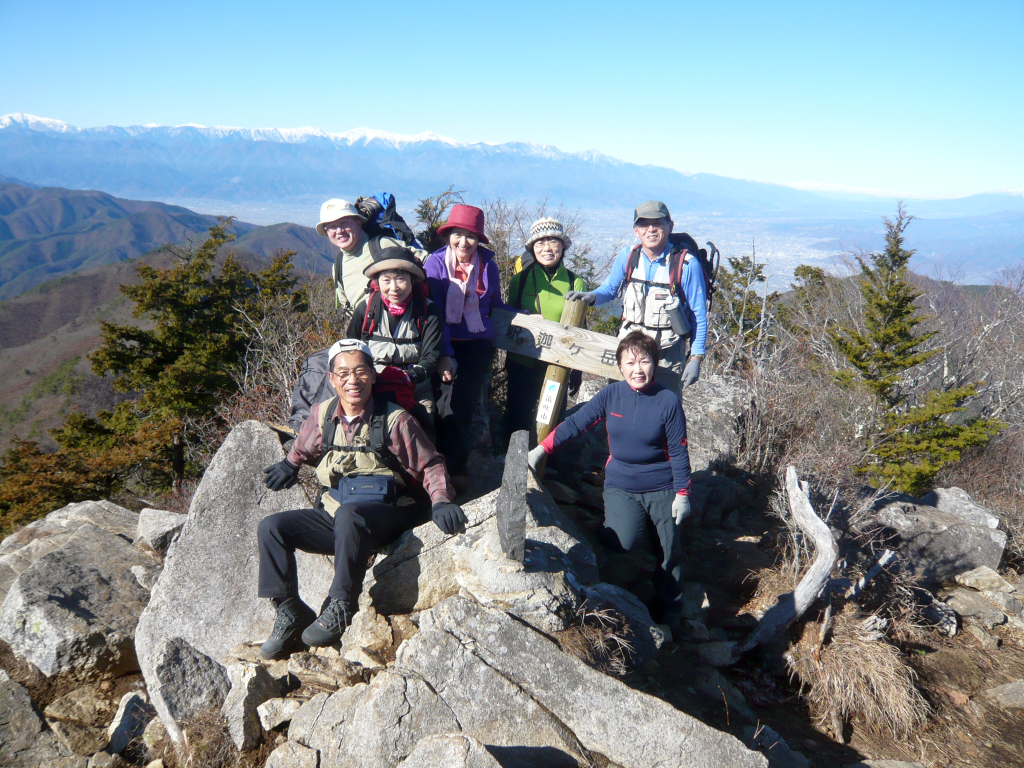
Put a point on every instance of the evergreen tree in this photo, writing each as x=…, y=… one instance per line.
x=909, y=441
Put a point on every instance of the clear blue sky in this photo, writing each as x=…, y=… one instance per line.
x=914, y=98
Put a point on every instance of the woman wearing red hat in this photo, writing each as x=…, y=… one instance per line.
x=465, y=284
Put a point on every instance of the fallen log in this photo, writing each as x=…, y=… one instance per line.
x=792, y=605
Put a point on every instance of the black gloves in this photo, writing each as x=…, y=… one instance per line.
x=449, y=517
x=282, y=475
x=575, y=381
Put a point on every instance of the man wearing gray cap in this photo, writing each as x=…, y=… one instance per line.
x=663, y=295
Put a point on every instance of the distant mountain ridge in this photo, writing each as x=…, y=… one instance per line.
x=47, y=232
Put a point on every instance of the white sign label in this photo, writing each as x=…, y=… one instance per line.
x=548, y=401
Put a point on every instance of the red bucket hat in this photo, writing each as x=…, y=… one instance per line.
x=467, y=217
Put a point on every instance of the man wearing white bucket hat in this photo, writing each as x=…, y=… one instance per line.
x=342, y=224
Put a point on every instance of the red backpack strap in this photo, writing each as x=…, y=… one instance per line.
x=373, y=304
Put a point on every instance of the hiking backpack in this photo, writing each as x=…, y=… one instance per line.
x=383, y=220
x=681, y=245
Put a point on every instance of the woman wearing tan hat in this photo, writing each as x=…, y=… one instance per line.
x=465, y=284
x=539, y=288
x=402, y=326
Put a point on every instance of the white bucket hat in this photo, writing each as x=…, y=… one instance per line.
x=347, y=345
x=336, y=209
x=547, y=227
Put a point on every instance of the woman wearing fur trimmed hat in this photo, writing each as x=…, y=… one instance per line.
x=539, y=288
x=466, y=284
x=402, y=326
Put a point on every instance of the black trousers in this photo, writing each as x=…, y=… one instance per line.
x=474, y=359
x=625, y=516
x=351, y=535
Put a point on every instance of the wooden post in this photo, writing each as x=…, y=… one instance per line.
x=556, y=379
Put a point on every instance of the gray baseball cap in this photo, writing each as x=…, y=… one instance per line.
x=652, y=209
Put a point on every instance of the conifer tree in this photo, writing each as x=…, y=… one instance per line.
x=910, y=441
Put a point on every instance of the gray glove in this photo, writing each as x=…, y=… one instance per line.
x=587, y=297
x=444, y=402
x=680, y=508
x=535, y=456
x=691, y=372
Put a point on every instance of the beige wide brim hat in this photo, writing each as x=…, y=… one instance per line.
x=333, y=210
x=547, y=227
x=396, y=257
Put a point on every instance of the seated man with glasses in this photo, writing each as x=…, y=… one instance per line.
x=369, y=456
x=663, y=295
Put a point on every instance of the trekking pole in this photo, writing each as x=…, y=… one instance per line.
x=556, y=380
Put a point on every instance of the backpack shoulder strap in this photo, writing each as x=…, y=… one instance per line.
x=328, y=426
x=375, y=248
x=373, y=304
x=527, y=270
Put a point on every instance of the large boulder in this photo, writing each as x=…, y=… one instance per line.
x=75, y=609
x=716, y=411
x=419, y=570
x=206, y=594
x=451, y=751
x=186, y=681
x=22, y=548
x=957, y=501
x=512, y=688
x=157, y=529
x=937, y=545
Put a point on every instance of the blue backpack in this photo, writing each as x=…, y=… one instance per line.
x=383, y=220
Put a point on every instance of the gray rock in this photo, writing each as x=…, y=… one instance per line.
x=716, y=409
x=206, y=594
x=984, y=579
x=885, y=764
x=276, y=712
x=645, y=636
x=561, y=492
x=157, y=529
x=368, y=630
x=512, y=507
x=146, y=575
x=695, y=601
x=958, y=502
x=185, y=682
x=372, y=725
x=1007, y=603
x=133, y=715
x=418, y=571
x=715, y=499
x=717, y=653
x=80, y=719
x=764, y=738
x=155, y=736
x=22, y=548
x=292, y=755
x=67, y=762
x=645, y=731
x=324, y=672
x=22, y=741
x=450, y=751
x=74, y=610
x=714, y=685
x=942, y=616
x=972, y=604
x=539, y=590
x=251, y=685
x=987, y=641
x=1007, y=696
x=105, y=759
x=939, y=555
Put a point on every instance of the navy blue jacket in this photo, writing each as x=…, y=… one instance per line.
x=646, y=437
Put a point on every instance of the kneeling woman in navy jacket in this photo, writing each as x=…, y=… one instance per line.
x=648, y=472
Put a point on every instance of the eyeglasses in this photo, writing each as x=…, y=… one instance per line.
x=342, y=224
x=362, y=373
x=552, y=241
x=649, y=225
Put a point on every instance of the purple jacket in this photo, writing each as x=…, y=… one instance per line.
x=437, y=278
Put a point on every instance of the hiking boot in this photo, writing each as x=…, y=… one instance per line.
x=292, y=616
x=329, y=626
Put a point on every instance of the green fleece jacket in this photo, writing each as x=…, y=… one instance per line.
x=541, y=294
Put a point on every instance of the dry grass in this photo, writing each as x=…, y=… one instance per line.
x=855, y=675
x=599, y=638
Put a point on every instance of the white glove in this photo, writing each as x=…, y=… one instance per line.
x=680, y=508
x=691, y=372
x=536, y=456
x=444, y=402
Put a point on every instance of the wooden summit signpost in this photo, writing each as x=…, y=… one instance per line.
x=564, y=345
